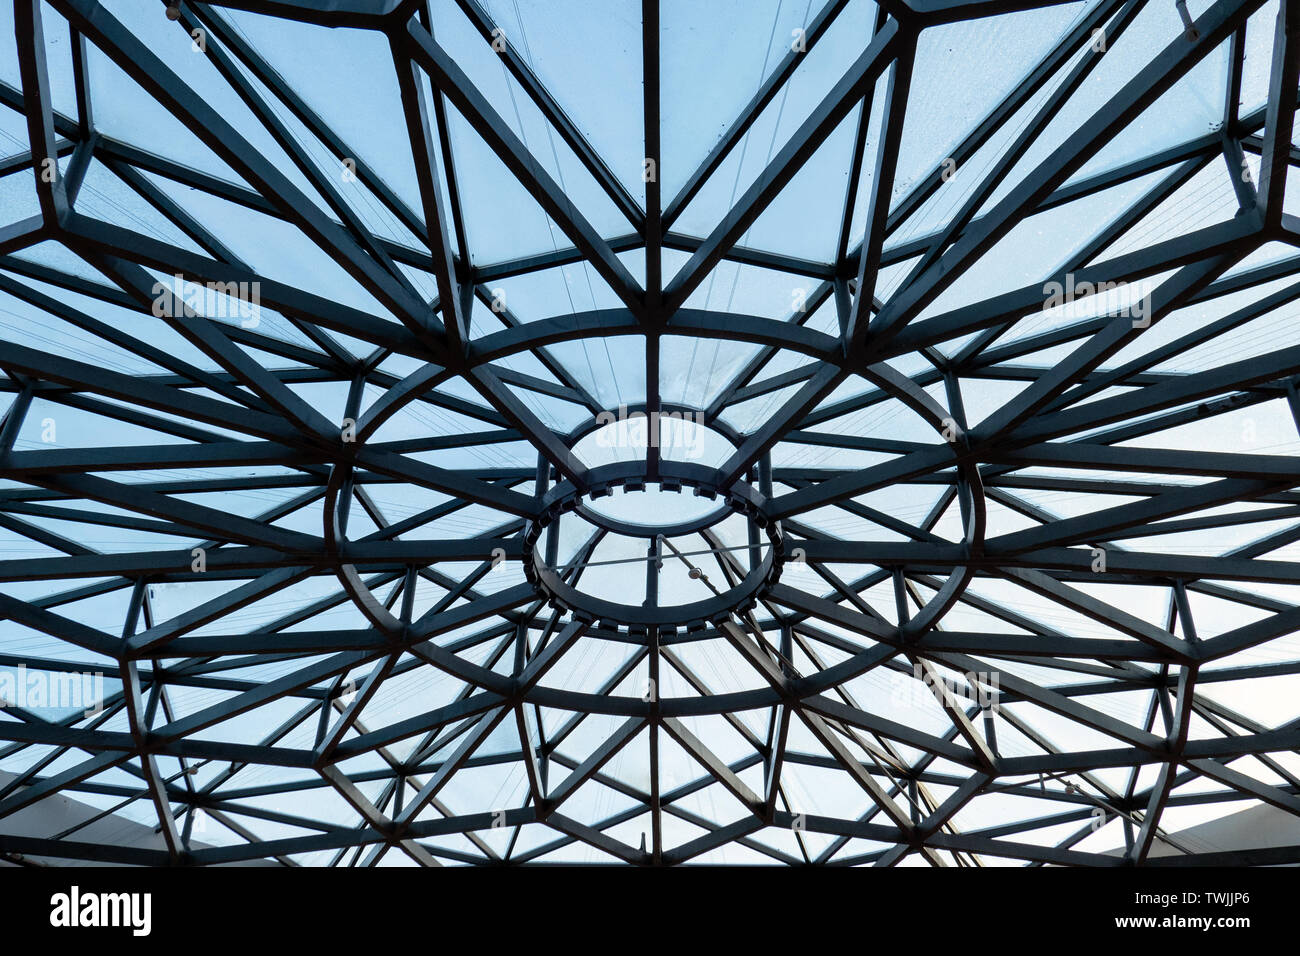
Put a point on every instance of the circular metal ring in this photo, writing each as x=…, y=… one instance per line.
x=740, y=499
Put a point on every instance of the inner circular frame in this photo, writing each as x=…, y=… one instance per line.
x=754, y=330
x=673, y=476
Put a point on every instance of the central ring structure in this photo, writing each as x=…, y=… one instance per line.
x=674, y=476
x=949, y=462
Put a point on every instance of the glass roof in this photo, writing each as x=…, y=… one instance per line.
x=652, y=432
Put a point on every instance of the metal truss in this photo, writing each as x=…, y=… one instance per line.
x=273, y=732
